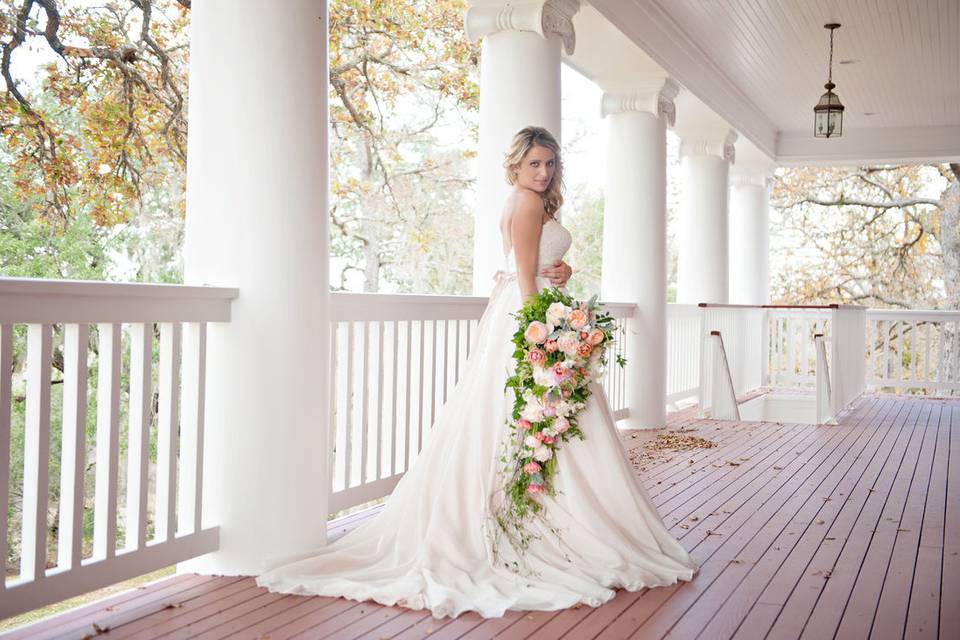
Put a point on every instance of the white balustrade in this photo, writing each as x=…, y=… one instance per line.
x=395, y=358
x=913, y=350
x=683, y=352
x=40, y=318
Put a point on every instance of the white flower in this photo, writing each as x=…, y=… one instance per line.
x=544, y=377
x=564, y=408
x=542, y=453
x=556, y=313
x=531, y=442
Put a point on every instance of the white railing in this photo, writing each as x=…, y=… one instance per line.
x=125, y=323
x=913, y=349
x=683, y=351
x=791, y=353
x=394, y=358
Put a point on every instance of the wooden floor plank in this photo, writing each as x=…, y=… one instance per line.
x=950, y=585
x=875, y=500
x=768, y=576
x=803, y=557
x=181, y=613
x=923, y=615
x=889, y=620
x=51, y=627
x=752, y=526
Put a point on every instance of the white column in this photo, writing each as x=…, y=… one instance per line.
x=703, y=250
x=519, y=86
x=257, y=220
x=635, y=237
x=749, y=235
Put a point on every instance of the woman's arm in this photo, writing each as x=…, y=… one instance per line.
x=525, y=228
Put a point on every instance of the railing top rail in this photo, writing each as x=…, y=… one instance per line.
x=32, y=300
x=42, y=286
x=407, y=306
x=780, y=306
x=915, y=313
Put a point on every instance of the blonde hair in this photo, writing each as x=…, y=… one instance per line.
x=525, y=140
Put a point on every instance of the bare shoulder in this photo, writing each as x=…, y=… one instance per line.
x=527, y=206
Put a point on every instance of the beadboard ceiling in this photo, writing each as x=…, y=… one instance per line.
x=761, y=66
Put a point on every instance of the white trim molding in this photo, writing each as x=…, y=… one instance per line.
x=655, y=96
x=708, y=141
x=893, y=145
x=545, y=17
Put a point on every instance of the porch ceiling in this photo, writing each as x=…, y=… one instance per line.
x=761, y=66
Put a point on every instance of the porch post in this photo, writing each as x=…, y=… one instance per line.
x=635, y=237
x=257, y=220
x=749, y=235
x=519, y=86
x=703, y=249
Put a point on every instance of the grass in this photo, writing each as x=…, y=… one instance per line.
x=78, y=601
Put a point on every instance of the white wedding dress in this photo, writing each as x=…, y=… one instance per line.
x=430, y=546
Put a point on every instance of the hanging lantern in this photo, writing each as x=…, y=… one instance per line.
x=828, y=112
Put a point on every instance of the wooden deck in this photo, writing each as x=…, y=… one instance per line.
x=850, y=531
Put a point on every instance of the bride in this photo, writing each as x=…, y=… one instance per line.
x=434, y=543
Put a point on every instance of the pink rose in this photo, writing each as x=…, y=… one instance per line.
x=561, y=372
x=584, y=335
x=551, y=346
x=526, y=425
x=596, y=337
x=567, y=393
x=577, y=319
x=584, y=349
x=539, y=436
x=531, y=468
x=535, y=488
x=561, y=424
x=536, y=332
x=548, y=440
x=537, y=357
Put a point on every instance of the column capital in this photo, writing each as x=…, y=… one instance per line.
x=708, y=141
x=654, y=95
x=546, y=17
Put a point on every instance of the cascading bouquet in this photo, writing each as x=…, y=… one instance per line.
x=561, y=346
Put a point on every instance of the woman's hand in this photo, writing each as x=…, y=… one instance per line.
x=559, y=272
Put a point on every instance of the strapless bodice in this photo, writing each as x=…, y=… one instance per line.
x=555, y=241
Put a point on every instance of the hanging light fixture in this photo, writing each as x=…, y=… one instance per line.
x=828, y=113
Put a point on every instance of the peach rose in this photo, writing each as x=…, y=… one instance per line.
x=561, y=372
x=596, y=337
x=584, y=349
x=536, y=332
x=584, y=335
x=548, y=440
x=577, y=319
x=526, y=425
x=531, y=468
x=551, y=346
x=537, y=357
x=535, y=488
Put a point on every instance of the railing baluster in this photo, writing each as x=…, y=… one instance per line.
x=364, y=408
x=6, y=384
x=926, y=352
x=433, y=376
x=406, y=404
x=393, y=407
x=348, y=409
x=36, y=453
x=421, y=349
x=333, y=430
x=73, y=453
x=380, y=328
x=191, y=438
x=446, y=351
x=138, y=450
x=108, y=441
x=167, y=430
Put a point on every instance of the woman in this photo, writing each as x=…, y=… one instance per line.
x=435, y=543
